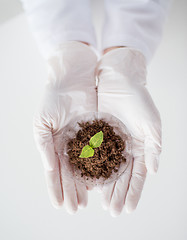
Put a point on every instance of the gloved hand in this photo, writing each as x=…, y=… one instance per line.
x=122, y=91
x=70, y=91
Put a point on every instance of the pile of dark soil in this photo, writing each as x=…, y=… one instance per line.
x=107, y=157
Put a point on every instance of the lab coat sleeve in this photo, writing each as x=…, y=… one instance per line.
x=134, y=23
x=56, y=21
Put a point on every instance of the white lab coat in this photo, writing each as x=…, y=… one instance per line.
x=133, y=23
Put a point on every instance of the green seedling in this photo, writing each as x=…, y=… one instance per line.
x=94, y=142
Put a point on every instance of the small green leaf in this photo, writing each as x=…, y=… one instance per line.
x=87, y=151
x=96, y=140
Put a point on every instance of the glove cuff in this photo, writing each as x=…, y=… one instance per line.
x=74, y=46
x=72, y=58
x=128, y=62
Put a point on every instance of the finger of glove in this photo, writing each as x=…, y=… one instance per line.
x=52, y=176
x=152, y=148
x=138, y=175
x=44, y=141
x=136, y=183
x=106, y=194
x=69, y=187
x=82, y=194
x=54, y=187
x=120, y=191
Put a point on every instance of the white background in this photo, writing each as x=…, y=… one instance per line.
x=25, y=209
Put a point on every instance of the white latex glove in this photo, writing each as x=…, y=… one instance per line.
x=122, y=92
x=70, y=91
